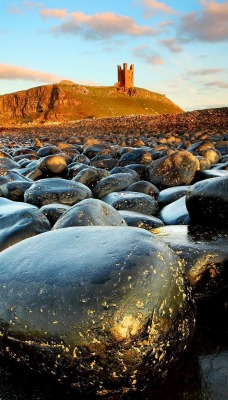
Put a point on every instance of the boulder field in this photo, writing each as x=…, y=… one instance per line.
x=106, y=251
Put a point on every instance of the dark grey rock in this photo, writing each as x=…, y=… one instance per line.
x=97, y=307
x=56, y=190
x=132, y=201
x=90, y=212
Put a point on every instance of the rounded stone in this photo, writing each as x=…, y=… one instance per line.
x=19, y=221
x=115, y=313
x=56, y=190
x=48, y=150
x=136, y=156
x=90, y=212
x=176, y=169
x=132, y=201
x=167, y=196
x=55, y=164
x=212, y=155
x=53, y=211
x=112, y=183
x=144, y=187
x=6, y=164
x=175, y=213
x=89, y=176
x=140, y=220
x=207, y=201
x=205, y=256
x=15, y=190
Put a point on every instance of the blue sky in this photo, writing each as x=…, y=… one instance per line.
x=179, y=48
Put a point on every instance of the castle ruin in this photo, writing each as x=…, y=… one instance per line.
x=125, y=77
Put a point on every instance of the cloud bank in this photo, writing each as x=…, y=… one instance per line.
x=14, y=72
x=210, y=25
x=155, y=5
x=98, y=26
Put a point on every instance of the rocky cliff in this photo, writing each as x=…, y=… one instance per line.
x=68, y=101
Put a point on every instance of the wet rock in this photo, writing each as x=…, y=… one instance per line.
x=92, y=150
x=48, y=150
x=144, y=187
x=89, y=176
x=212, y=155
x=90, y=212
x=205, y=255
x=105, y=162
x=82, y=159
x=15, y=190
x=176, y=169
x=108, y=307
x=175, y=213
x=202, y=145
x=74, y=168
x=167, y=196
x=4, y=154
x=132, y=201
x=136, y=156
x=213, y=368
x=56, y=190
x=140, y=220
x=210, y=173
x=53, y=211
x=207, y=202
x=19, y=221
x=6, y=164
x=112, y=183
x=54, y=164
x=204, y=163
x=126, y=170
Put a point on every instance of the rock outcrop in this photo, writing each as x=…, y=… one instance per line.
x=67, y=101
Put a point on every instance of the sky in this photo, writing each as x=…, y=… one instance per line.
x=179, y=48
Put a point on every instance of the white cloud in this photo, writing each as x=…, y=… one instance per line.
x=147, y=55
x=14, y=72
x=210, y=25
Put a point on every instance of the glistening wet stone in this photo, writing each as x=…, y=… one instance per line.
x=205, y=254
x=100, y=308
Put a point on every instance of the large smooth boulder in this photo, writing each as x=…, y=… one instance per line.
x=113, y=183
x=205, y=255
x=56, y=190
x=136, y=156
x=175, y=169
x=7, y=164
x=132, y=201
x=175, y=213
x=90, y=212
x=140, y=220
x=19, y=221
x=207, y=202
x=99, y=308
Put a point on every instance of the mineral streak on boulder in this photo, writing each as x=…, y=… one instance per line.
x=100, y=308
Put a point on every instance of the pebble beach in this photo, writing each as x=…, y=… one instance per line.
x=114, y=255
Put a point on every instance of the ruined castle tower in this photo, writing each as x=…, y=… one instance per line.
x=125, y=77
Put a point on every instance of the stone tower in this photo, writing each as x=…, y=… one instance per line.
x=125, y=77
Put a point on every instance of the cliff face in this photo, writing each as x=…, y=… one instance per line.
x=67, y=101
